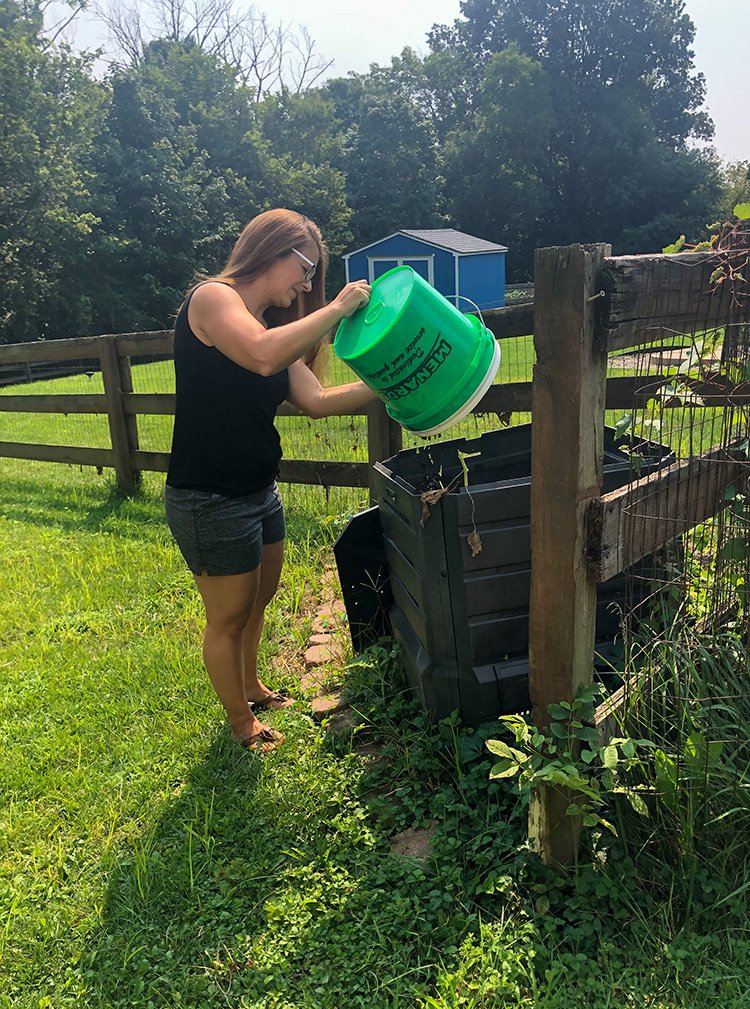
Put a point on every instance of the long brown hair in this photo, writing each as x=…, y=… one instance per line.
x=266, y=238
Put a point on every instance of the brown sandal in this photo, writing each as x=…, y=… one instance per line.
x=262, y=742
x=274, y=701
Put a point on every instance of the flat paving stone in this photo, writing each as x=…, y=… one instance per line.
x=366, y=749
x=329, y=617
x=327, y=704
x=311, y=680
x=321, y=655
x=343, y=721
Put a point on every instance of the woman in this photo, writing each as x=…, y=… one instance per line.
x=244, y=343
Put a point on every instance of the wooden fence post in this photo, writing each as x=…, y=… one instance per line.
x=384, y=438
x=567, y=448
x=126, y=384
x=117, y=381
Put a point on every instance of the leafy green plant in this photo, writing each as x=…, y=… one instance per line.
x=570, y=753
x=728, y=241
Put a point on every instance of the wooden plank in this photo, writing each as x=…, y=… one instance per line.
x=86, y=347
x=163, y=403
x=630, y=523
x=71, y=454
x=609, y=714
x=325, y=474
x=131, y=420
x=127, y=477
x=154, y=462
x=95, y=403
x=79, y=349
x=567, y=439
x=511, y=321
x=157, y=342
x=515, y=397
x=646, y=295
x=287, y=410
x=622, y=393
x=152, y=403
x=24, y=374
x=635, y=391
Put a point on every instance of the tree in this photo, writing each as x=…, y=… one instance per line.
x=625, y=101
x=51, y=111
x=496, y=169
x=185, y=162
x=306, y=142
x=391, y=168
x=642, y=46
x=266, y=57
x=389, y=156
x=180, y=167
x=735, y=184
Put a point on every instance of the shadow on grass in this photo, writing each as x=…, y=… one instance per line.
x=180, y=892
x=270, y=883
x=94, y=504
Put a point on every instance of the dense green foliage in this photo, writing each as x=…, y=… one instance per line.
x=530, y=125
x=50, y=110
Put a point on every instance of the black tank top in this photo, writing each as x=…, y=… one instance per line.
x=224, y=438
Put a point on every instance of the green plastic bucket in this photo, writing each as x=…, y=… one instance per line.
x=428, y=362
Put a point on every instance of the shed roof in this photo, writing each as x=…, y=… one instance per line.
x=443, y=238
x=456, y=241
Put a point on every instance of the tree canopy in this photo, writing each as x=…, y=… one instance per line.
x=527, y=124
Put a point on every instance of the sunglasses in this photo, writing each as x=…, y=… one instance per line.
x=311, y=267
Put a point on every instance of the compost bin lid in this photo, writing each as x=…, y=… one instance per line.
x=362, y=330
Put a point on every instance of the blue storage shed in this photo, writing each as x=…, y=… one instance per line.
x=455, y=263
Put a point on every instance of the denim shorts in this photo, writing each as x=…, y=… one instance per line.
x=220, y=535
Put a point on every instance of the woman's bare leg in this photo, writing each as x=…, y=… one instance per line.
x=229, y=600
x=270, y=572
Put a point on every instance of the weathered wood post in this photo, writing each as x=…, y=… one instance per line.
x=126, y=384
x=117, y=381
x=384, y=439
x=567, y=448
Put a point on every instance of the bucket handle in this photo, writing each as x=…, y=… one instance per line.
x=460, y=297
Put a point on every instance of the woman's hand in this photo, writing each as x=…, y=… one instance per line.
x=355, y=295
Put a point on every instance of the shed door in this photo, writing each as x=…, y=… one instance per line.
x=380, y=266
x=423, y=265
x=420, y=266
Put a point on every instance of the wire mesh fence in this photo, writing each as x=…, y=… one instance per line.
x=686, y=633
x=80, y=378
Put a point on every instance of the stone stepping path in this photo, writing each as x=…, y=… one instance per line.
x=326, y=653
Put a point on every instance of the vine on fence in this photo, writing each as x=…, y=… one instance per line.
x=729, y=241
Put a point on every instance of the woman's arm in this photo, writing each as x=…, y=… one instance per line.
x=219, y=318
x=309, y=396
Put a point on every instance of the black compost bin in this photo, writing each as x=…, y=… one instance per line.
x=461, y=614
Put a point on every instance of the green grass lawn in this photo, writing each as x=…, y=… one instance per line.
x=145, y=861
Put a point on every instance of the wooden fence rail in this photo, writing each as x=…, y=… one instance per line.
x=112, y=357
